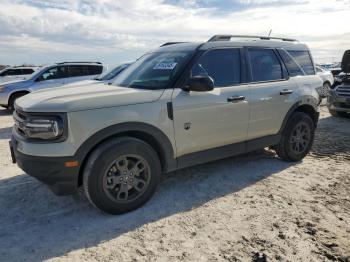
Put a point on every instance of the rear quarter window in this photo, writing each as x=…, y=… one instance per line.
x=292, y=66
x=303, y=58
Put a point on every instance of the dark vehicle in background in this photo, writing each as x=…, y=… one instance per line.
x=338, y=78
x=339, y=98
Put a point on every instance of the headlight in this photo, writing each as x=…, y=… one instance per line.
x=2, y=89
x=40, y=128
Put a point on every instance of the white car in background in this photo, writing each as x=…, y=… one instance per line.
x=328, y=80
x=109, y=76
x=55, y=75
x=16, y=73
x=106, y=78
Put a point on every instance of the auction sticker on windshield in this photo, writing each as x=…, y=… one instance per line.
x=165, y=66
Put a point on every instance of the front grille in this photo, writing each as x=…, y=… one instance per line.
x=343, y=91
x=20, y=120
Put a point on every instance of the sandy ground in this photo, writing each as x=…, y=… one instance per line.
x=222, y=211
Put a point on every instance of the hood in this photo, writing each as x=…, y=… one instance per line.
x=84, y=97
x=15, y=82
x=84, y=83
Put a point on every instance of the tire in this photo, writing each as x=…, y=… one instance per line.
x=12, y=100
x=296, y=143
x=108, y=177
x=338, y=114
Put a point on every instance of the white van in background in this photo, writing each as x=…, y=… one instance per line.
x=16, y=73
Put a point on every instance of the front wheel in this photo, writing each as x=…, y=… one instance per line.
x=297, y=138
x=121, y=175
x=12, y=100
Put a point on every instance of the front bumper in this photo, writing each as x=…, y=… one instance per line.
x=3, y=98
x=338, y=103
x=51, y=171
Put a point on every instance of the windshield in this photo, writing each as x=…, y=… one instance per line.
x=112, y=73
x=154, y=70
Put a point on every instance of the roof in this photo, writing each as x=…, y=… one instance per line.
x=23, y=67
x=237, y=41
x=256, y=43
x=79, y=63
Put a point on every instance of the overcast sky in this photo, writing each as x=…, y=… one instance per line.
x=113, y=31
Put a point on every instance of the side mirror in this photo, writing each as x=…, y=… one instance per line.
x=200, y=84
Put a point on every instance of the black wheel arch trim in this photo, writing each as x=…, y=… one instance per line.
x=152, y=135
x=294, y=108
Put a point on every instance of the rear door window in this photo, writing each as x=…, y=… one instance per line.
x=292, y=66
x=303, y=58
x=95, y=69
x=27, y=71
x=222, y=65
x=265, y=65
x=76, y=70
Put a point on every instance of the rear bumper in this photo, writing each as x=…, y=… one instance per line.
x=51, y=171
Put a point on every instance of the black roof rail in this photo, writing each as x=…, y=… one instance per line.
x=228, y=38
x=172, y=43
x=74, y=62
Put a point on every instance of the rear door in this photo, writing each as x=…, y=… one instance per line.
x=94, y=71
x=272, y=92
x=77, y=73
x=205, y=120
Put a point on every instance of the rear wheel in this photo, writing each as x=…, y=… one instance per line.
x=297, y=138
x=121, y=175
x=12, y=100
x=338, y=114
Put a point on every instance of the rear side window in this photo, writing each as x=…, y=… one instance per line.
x=222, y=65
x=95, y=70
x=293, y=68
x=303, y=58
x=27, y=71
x=265, y=65
x=77, y=70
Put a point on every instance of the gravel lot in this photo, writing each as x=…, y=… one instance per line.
x=222, y=211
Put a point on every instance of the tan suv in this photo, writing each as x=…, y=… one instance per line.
x=181, y=105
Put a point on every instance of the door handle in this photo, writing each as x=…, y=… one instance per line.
x=286, y=92
x=235, y=98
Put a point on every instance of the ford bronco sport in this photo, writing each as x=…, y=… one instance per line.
x=181, y=105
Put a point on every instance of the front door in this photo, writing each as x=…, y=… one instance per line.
x=52, y=77
x=205, y=120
